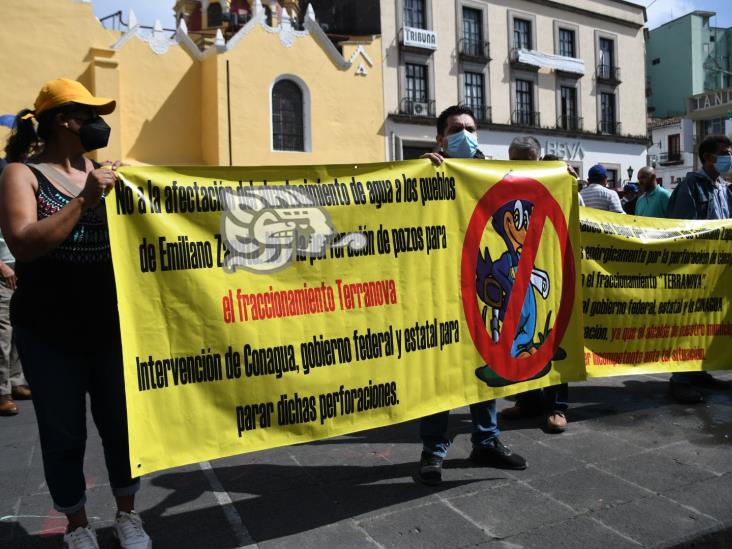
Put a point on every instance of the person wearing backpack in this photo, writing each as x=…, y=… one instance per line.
x=703, y=194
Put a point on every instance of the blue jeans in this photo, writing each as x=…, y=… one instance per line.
x=433, y=429
x=59, y=376
x=546, y=400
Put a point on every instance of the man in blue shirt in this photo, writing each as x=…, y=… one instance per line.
x=654, y=200
x=703, y=195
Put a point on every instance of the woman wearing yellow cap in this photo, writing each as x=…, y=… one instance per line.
x=64, y=311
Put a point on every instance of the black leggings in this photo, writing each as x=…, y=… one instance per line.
x=59, y=377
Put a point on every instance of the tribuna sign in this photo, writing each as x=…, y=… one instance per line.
x=419, y=38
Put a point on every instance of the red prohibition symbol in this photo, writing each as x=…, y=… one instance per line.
x=498, y=355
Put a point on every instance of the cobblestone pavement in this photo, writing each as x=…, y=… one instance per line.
x=633, y=470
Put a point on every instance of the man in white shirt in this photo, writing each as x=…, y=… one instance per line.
x=597, y=195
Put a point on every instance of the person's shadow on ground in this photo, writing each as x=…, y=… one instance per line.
x=290, y=498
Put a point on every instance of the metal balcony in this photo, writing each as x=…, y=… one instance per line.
x=570, y=123
x=670, y=158
x=528, y=119
x=609, y=127
x=412, y=107
x=474, y=50
x=483, y=113
x=608, y=74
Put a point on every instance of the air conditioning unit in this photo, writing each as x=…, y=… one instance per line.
x=420, y=109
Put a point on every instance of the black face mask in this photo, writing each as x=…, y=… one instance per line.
x=94, y=134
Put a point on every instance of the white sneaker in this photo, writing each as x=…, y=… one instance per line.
x=81, y=538
x=130, y=533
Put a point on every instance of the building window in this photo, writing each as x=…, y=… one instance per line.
x=473, y=32
x=474, y=96
x=612, y=178
x=607, y=113
x=674, y=147
x=412, y=152
x=268, y=16
x=521, y=34
x=416, y=82
x=414, y=14
x=568, y=104
x=287, y=117
x=524, y=114
x=714, y=126
x=566, y=43
x=607, y=58
x=215, y=15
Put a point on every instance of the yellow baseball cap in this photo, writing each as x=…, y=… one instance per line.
x=63, y=90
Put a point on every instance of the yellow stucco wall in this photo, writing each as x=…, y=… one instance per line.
x=172, y=106
x=41, y=40
x=160, y=105
x=213, y=112
x=346, y=110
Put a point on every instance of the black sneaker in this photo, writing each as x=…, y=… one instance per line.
x=498, y=456
x=684, y=393
x=430, y=470
x=706, y=380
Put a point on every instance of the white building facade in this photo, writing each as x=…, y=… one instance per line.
x=671, y=151
x=675, y=141
x=570, y=73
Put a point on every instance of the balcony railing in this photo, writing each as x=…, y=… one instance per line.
x=609, y=127
x=526, y=118
x=667, y=158
x=571, y=123
x=413, y=107
x=483, y=113
x=514, y=58
x=609, y=74
x=474, y=50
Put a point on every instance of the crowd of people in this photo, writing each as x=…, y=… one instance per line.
x=55, y=250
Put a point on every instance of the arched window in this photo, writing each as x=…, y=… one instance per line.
x=268, y=16
x=287, y=117
x=215, y=14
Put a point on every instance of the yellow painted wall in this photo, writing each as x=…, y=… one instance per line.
x=346, y=109
x=212, y=117
x=42, y=40
x=160, y=105
x=172, y=107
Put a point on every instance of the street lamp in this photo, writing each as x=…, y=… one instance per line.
x=630, y=173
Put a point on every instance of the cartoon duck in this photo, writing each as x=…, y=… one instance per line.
x=494, y=282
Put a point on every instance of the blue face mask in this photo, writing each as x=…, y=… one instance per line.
x=723, y=164
x=462, y=145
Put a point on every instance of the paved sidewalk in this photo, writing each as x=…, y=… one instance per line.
x=633, y=470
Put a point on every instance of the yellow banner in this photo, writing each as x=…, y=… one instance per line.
x=656, y=294
x=268, y=306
